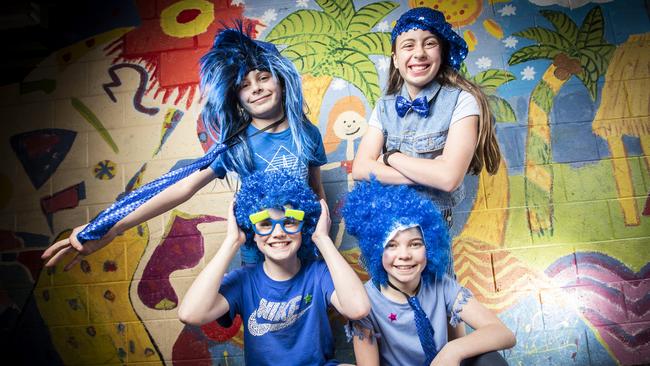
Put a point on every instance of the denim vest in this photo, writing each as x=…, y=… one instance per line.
x=421, y=137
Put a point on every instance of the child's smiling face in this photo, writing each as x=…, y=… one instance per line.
x=417, y=56
x=405, y=258
x=279, y=245
x=260, y=94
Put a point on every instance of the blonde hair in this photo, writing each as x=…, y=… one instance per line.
x=349, y=103
x=487, y=152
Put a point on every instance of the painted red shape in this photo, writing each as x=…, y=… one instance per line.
x=181, y=249
x=31, y=259
x=150, y=45
x=190, y=345
x=67, y=198
x=218, y=333
x=646, y=209
x=187, y=15
x=9, y=241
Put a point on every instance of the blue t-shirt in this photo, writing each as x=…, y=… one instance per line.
x=276, y=151
x=285, y=322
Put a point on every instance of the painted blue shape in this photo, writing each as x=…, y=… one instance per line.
x=41, y=152
x=563, y=339
x=181, y=163
x=512, y=139
x=574, y=143
x=573, y=104
x=632, y=145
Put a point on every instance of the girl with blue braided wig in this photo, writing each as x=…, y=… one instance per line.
x=403, y=241
x=282, y=300
x=254, y=111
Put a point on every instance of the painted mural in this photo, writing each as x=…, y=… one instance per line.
x=557, y=243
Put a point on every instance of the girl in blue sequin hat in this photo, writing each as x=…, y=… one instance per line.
x=433, y=126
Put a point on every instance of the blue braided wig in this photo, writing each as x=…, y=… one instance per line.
x=372, y=210
x=223, y=68
x=262, y=190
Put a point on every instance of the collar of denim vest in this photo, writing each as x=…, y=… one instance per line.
x=429, y=91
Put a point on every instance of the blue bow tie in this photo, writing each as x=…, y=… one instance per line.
x=419, y=105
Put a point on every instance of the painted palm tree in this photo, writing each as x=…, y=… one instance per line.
x=580, y=51
x=335, y=43
x=489, y=81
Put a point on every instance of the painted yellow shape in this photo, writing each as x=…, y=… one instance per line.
x=493, y=28
x=62, y=305
x=638, y=96
x=540, y=175
x=314, y=89
x=537, y=116
x=90, y=344
x=68, y=55
x=622, y=175
x=79, y=299
x=488, y=226
x=107, y=301
x=142, y=347
x=165, y=304
x=171, y=18
x=624, y=111
x=459, y=13
x=470, y=39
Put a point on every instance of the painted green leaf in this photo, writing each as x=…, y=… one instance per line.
x=357, y=69
x=562, y=23
x=545, y=36
x=306, y=56
x=377, y=43
x=463, y=71
x=592, y=29
x=604, y=52
x=543, y=96
x=369, y=15
x=303, y=26
x=493, y=78
x=501, y=109
x=597, y=58
x=534, y=52
x=341, y=10
x=91, y=118
x=589, y=75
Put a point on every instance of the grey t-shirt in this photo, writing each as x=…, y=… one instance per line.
x=393, y=325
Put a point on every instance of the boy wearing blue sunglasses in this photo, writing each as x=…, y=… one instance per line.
x=283, y=299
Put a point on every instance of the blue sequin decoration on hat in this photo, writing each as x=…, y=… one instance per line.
x=433, y=21
x=101, y=224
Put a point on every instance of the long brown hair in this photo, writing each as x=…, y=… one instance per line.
x=487, y=152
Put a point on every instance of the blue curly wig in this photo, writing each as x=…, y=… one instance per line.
x=373, y=210
x=223, y=68
x=262, y=190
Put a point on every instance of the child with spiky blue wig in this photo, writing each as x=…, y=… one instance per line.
x=282, y=300
x=254, y=111
x=404, y=247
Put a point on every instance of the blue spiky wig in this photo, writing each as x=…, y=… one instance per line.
x=262, y=190
x=223, y=68
x=372, y=211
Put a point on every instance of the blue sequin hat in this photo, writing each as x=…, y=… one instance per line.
x=433, y=21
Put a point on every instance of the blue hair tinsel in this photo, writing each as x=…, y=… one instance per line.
x=262, y=190
x=434, y=22
x=223, y=68
x=372, y=210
